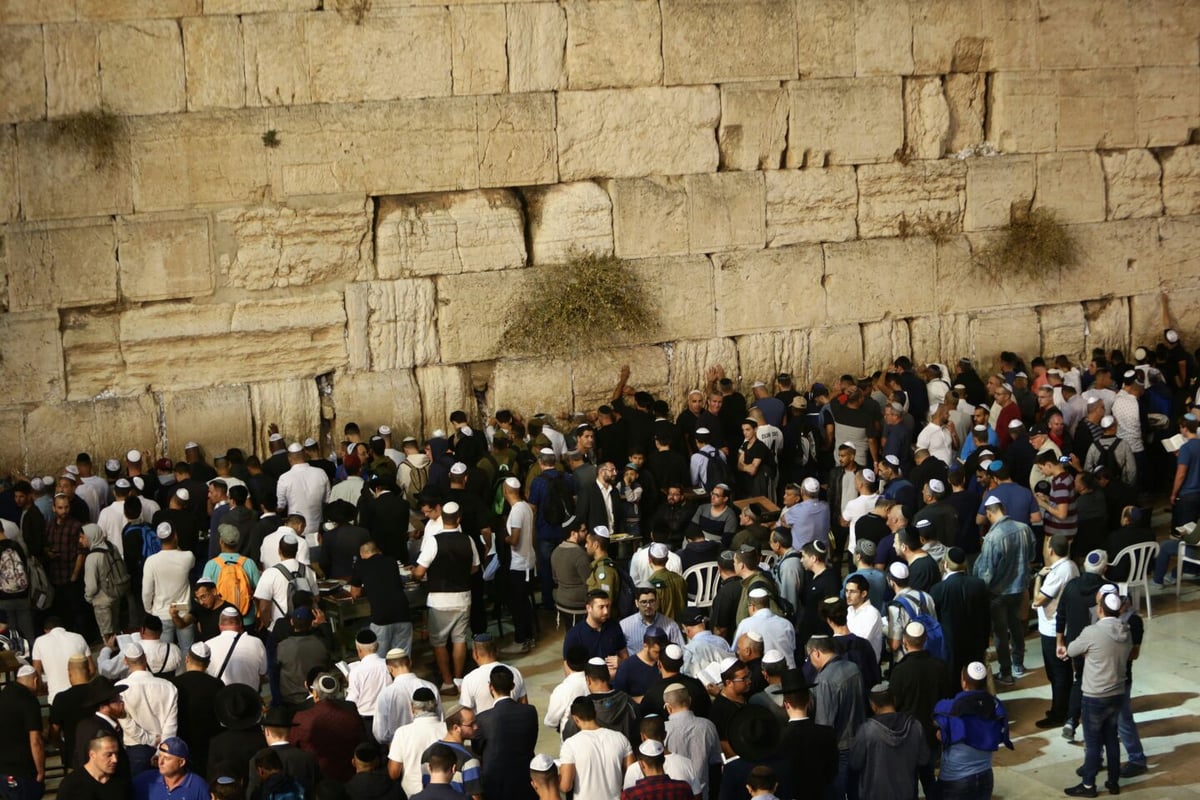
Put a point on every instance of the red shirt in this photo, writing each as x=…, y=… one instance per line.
x=658, y=787
x=62, y=536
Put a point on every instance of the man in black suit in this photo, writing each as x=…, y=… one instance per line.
x=810, y=749
x=506, y=740
x=384, y=513
x=106, y=698
x=198, y=705
x=963, y=608
x=598, y=503
x=298, y=764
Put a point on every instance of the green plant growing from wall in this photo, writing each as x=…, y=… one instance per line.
x=1035, y=244
x=271, y=138
x=353, y=10
x=98, y=134
x=587, y=303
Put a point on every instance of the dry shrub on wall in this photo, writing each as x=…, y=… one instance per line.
x=1034, y=244
x=96, y=133
x=588, y=303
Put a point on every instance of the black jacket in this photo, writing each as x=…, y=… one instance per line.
x=589, y=506
x=506, y=742
x=963, y=606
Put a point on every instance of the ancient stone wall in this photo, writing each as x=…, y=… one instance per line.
x=801, y=183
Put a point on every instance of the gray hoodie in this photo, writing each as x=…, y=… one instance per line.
x=886, y=753
x=1105, y=646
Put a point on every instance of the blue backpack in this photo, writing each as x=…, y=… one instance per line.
x=935, y=639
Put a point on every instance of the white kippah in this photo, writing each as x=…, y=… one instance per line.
x=976, y=671
x=229, y=612
x=1016, y=423
x=458, y=468
x=601, y=531
x=163, y=531
x=651, y=748
x=728, y=662
x=754, y=636
x=868, y=475
x=133, y=650
x=290, y=538
x=541, y=763
x=25, y=671
x=295, y=447
x=200, y=649
x=438, y=434
x=138, y=483
x=133, y=456
x=275, y=437
x=310, y=442
x=914, y=629
x=385, y=430
x=811, y=485
x=673, y=651
x=1112, y=601
x=512, y=483
x=596, y=661
x=191, y=446
x=772, y=657
x=123, y=483
x=992, y=501
x=183, y=494
x=450, y=508
x=936, y=485
x=893, y=460
x=759, y=593
x=923, y=523
x=898, y=570
x=702, y=431
x=659, y=550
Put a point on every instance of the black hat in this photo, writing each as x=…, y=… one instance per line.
x=99, y=691
x=340, y=511
x=692, y=616
x=794, y=680
x=238, y=707
x=754, y=732
x=278, y=717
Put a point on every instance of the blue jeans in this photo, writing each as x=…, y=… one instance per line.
x=1127, y=729
x=1185, y=510
x=1162, y=562
x=139, y=758
x=184, y=637
x=1100, y=730
x=392, y=635
x=972, y=787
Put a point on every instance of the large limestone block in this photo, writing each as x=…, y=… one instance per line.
x=994, y=186
x=1145, y=315
x=567, y=218
x=883, y=341
x=217, y=419
x=381, y=58
x=593, y=379
x=1133, y=185
x=923, y=197
x=214, y=63
x=966, y=96
x=1179, y=241
x=294, y=405
x=1011, y=29
x=443, y=390
x=10, y=196
x=1063, y=330
x=947, y=36
x=1167, y=105
x=105, y=428
x=198, y=159
x=650, y=216
x=955, y=335
x=517, y=144
x=1015, y=329
x=635, y=132
x=449, y=233
x=91, y=355
x=811, y=205
x=390, y=324
x=883, y=38
x=1095, y=109
x=479, y=61
x=258, y=6
x=727, y=210
x=72, y=54
x=845, y=121
x=276, y=52
x=1107, y=324
x=681, y=289
x=62, y=178
x=274, y=247
x=762, y=356
x=60, y=265
x=528, y=385
x=925, y=338
x=1181, y=180
x=1087, y=33
x=31, y=367
x=22, y=74
x=753, y=129
x=25, y=12
x=136, y=9
x=834, y=351
x=713, y=41
x=1023, y=113
x=689, y=363
x=1071, y=185
x=613, y=43
x=926, y=117
x=12, y=446
x=378, y=398
x=537, y=38
x=164, y=259
x=867, y=279
x=431, y=146
x=1165, y=30
x=141, y=67
x=769, y=290
x=472, y=314
x=824, y=39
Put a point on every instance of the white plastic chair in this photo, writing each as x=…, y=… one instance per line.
x=1141, y=558
x=705, y=576
x=1181, y=558
x=769, y=559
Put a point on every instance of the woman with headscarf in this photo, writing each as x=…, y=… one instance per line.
x=105, y=578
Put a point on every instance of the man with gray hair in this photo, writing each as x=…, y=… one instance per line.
x=805, y=516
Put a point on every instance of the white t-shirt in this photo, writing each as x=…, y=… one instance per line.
x=269, y=554
x=165, y=581
x=1052, y=585
x=639, y=566
x=409, y=744
x=866, y=623
x=53, y=649
x=247, y=665
x=675, y=765
x=273, y=586
x=475, y=693
x=599, y=758
x=938, y=442
x=521, y=517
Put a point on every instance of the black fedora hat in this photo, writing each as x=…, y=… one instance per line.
x=238, y=707
x=99, y=690
x=278, y=717
x=754, y=732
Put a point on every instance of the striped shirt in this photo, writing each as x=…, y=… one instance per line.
x=1062, y=491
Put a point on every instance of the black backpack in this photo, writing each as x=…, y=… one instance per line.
x=717, y=472
x=1108, y=460
x=559, y=505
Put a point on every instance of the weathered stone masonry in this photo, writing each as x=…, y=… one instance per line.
x=800, y=182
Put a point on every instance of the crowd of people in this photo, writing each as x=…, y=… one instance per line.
x=791, y=593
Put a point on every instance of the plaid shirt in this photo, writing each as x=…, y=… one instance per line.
x=62, y=536
x=658, y=787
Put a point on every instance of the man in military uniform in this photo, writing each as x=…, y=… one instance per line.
x=604, y=575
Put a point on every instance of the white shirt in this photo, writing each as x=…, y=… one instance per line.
x=162, y=658
x=696, y=740
x=866, y=623
x=112, y=522
x=92, y=498
x=304, y=489
x=1129, y=421
x=474, y=692
x=393, y=706
x=599, y=758
x=558, y=709
x=1106, y=396
x=268, y=556
x=273, y=586
x=410, y=743
x=521, y=518
x=149, y=508
x=1052, y=585
x=368, y=677
x=938, y=442
x=676, y=766
x=151, y=709
x=53, y=649
x=165, y=581
x=247, y=665
x=856, y=509
x=639, y=566
x=777, y=632
x=349, y=490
